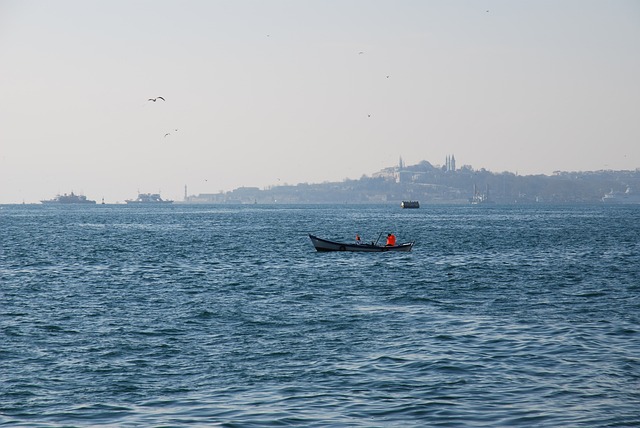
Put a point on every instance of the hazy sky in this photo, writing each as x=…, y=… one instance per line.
x=263, y=93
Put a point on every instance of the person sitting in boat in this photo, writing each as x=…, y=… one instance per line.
x=358, y=242
x=391, y=240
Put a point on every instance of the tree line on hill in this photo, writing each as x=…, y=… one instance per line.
x=429, y=184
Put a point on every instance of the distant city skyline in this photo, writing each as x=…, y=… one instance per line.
x=392, y=171
x=106, y=99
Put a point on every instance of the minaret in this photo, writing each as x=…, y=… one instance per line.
x=453, y=163
x=185, y=193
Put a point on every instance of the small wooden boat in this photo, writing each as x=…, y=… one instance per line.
x=325, y=245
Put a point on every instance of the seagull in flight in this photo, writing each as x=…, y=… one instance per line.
x=156, y=98
x=169, y=133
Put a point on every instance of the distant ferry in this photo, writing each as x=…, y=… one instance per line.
x=148, y=198
x=69, y=199
x=410, y=204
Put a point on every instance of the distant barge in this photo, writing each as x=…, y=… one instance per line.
x=410, y=204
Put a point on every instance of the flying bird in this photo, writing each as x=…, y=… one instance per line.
x=156, y=98
x=168, y=133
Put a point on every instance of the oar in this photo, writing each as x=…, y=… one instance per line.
x=378, y=238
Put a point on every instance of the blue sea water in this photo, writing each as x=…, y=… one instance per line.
x=226, y=316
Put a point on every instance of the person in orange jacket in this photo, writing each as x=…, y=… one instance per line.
x=391, y=240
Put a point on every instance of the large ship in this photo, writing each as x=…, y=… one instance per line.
x=148, y=198
x=69, y=199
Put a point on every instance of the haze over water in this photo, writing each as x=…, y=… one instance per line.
x=226, y=316
x=259, y=93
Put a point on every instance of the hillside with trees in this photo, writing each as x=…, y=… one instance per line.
x=431, y=184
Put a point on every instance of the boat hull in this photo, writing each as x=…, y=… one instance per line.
x=410, y=204
x=323, y=245
x=133, y=202
x=55, y=202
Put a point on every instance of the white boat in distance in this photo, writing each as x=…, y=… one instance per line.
x=626, y=197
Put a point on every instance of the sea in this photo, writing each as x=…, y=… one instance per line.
x=226, y=316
